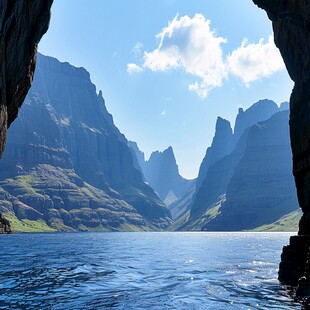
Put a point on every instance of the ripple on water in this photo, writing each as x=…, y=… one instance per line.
x=142, y=271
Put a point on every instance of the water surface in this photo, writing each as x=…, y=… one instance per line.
x=142, y=271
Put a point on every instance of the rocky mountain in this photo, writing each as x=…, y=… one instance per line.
x=225, y=141
x=258, y=112
x=138, y=157
x=162, y=174
x=67, y=165
x=221, y=146
x=23, y=23
x=245, y=189
x=262, y=188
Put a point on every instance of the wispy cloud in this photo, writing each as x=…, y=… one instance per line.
x=163, y=112
x=251, y=62
x=189, y=44
x=136, y=50
x=133, y=68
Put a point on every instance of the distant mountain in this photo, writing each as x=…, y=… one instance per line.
x=262, y=188
x=252, y=185
x=258, y=112
x=221, y=146
x=67, y=167
x=138, y=157
x=161, y=172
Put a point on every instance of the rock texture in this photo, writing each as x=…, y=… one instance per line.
x=261, y=189
x=22, y=24
x=220, y=147
x=162, y=174
x=291, y=24
x=68, y=165
x=5, y=226
x=138, y=157
x=253, y=185
x=258, y=112
x=225, y=152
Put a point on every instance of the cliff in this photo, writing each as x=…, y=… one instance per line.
x=261, y=189
x=22, y=25
x=162, y=174
x=252, y=186
x=290, y=20
x=258, y=112
x=221, y=146
x=67, y=164
x=225, y=153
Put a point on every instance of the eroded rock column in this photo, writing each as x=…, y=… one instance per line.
x=291, y=25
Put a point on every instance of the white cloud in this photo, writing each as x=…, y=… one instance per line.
x=189, y=44
x=163, y=113
x=251, y=62
x=133, y=68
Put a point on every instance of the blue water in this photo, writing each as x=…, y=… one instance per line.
x=142, y=271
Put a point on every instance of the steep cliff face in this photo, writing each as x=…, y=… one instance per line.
x=261, y=189
x=22, y=24
x=162, y=173
x=66, y=162
x=258, y=112
x=225, y=153
x=221, y=146
x=138, y=157
x=291, y=24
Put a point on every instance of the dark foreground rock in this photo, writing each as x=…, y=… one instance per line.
x=291, y=24
x=5, y=226
x=22, y=24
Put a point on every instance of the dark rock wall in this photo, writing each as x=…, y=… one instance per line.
x=291, y=25
x=22, y=24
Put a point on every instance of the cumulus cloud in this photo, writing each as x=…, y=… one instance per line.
x=191, y=45
x=251, y=62
x=133, y=68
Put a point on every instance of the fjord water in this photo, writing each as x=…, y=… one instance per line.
x=142, y=271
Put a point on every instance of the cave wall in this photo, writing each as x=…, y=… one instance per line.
x=22, y=24
x=291, y=25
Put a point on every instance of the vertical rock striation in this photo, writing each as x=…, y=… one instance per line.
x=22, y=24
x=291, y=25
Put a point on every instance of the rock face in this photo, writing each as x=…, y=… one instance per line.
x=22, y=24
x=162, y=173
x=67, y=164
x=291, y=24
x=252, y=185
x=258, y=112
x=225, y=152
x=138, y=156
x=221, y=146
x=5, y=226
x=261, y=189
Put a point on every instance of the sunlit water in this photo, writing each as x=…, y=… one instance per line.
x=142, y=271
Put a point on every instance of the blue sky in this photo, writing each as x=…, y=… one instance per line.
x=168, y=68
